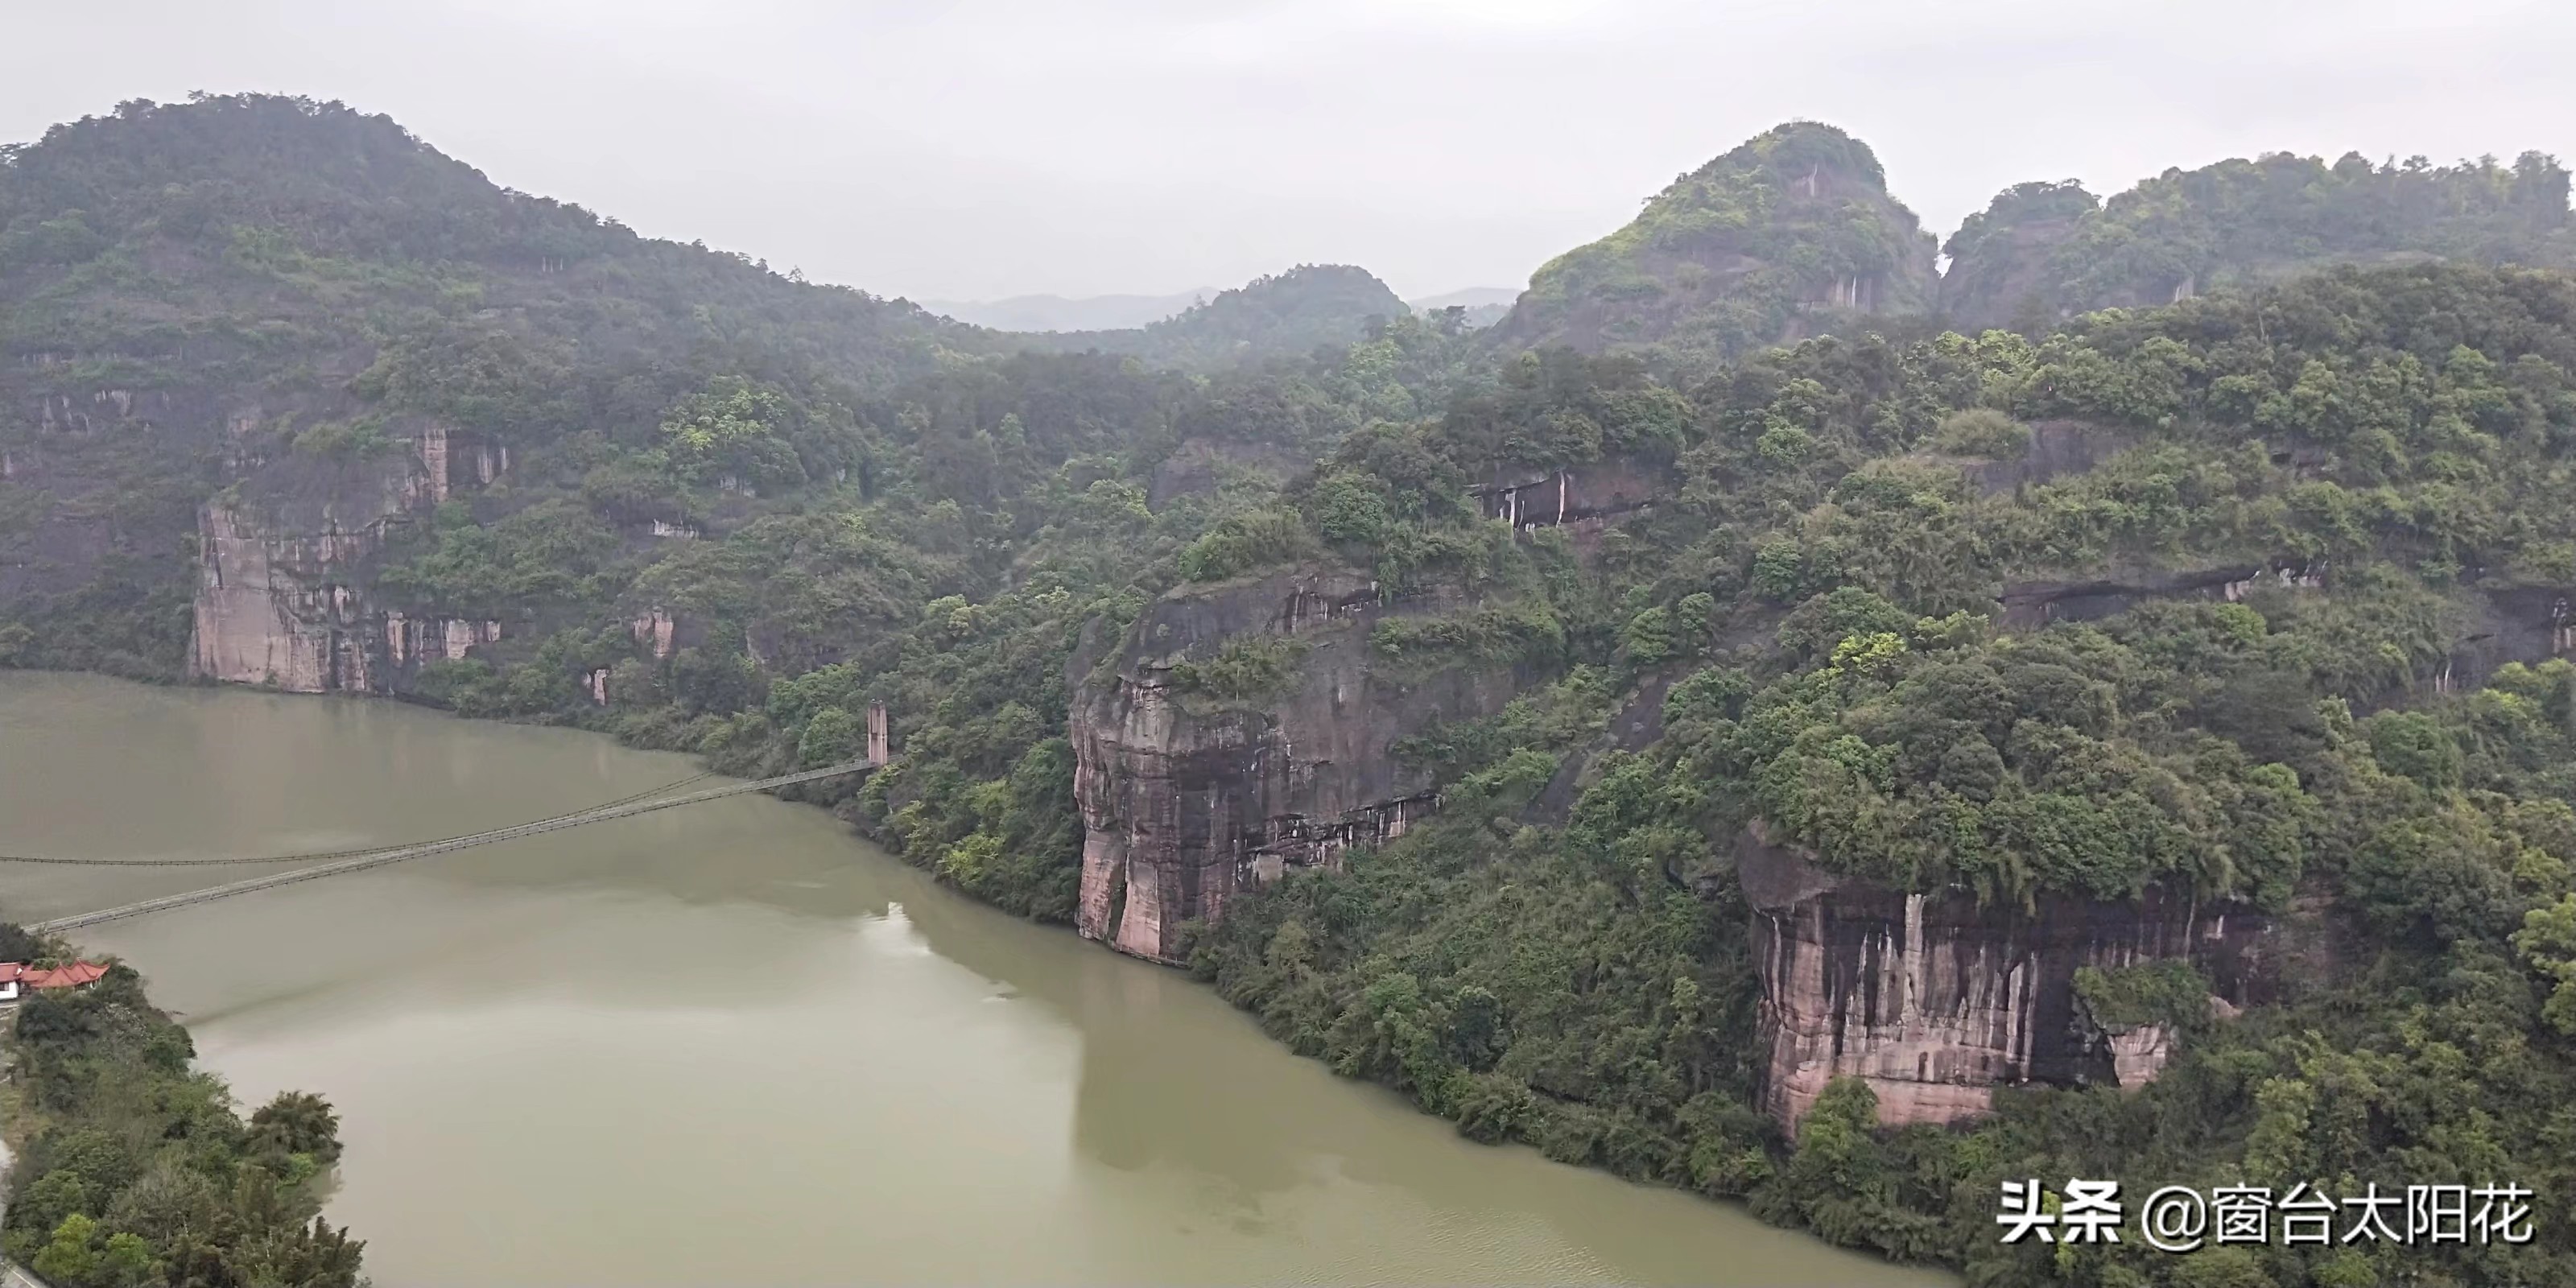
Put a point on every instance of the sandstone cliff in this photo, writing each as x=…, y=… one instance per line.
x=1934, y=1001
x=1186, y=803
x=2001, y=258
x=282, y=572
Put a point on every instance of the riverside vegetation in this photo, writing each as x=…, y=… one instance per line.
x=132, y=1168
x=894, y=508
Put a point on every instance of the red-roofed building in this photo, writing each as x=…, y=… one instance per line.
x=15, y=976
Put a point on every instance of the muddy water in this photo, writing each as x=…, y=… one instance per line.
x=732, y=1043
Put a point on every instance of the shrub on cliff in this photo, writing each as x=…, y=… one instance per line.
x=1247, y=542
x=1246, y=668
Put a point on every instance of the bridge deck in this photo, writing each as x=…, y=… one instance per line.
x=449, y=845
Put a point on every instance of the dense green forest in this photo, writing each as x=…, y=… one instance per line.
x=2285, y=752
x=1737, y=255
x=2045, y=251
x=131, y=1167
x=843, y=501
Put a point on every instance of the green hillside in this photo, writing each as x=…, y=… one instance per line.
x=2042, y=252
x=1285, y=316
x=2253, y=601
x=1822, y=594
x=1768, y=243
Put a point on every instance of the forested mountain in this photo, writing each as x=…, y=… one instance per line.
x=2284, y=642
x=1338, y=318
x=1763, y=245
x=1845, y=775
x=1478, y=306
x=132, y=227
x=2046, y=251
x=1473, y=297
x=1283, y=316
x=1060, y=313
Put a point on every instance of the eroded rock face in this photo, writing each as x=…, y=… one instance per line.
x=1186, y=803
x=2058, y=449
x=1934, y=1001
x=2030, y=605
x=2006, y=280
x=2527, y=624
x=281, y=572
x=270, y=609
x=657, y=629
x=1584, y=498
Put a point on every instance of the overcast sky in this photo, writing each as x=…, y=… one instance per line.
x=995, y=147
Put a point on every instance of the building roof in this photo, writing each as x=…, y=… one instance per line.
x=72, y=976
x=10, y=971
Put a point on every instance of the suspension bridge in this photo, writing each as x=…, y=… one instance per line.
x=339, y=862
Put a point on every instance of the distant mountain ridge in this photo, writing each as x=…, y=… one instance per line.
x=1126, y=312
x=1484, y=305
x=1285, y=314
x=1472, y=298
x=1069, y=313
x=2041, y=252
x=1794, y=234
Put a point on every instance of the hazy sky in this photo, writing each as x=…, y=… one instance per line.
x=995, y=147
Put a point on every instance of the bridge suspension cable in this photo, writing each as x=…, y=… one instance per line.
x=374, y=859
x=310, y=856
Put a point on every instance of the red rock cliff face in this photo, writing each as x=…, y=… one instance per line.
x=1934, y=1001
x=1184, y=806
x=282, y=571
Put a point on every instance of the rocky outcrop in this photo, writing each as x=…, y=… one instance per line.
x=1583, y=500
x=655, y=629
x=2005, y=279
x=2508, y=624
x=450, y=459
x=1934, y=1001
x=283, y=565
x=2029, y=605
x=2058, y=449
x=270, y=609
x=412, y=641
x=1185, y=804
x=285, y=611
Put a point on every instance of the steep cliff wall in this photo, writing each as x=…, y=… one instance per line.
x=2002, y=278
x=2509, y=624
x=1186, y=803
x=1934, y=1001
x=1583, y=499
x=282, y=568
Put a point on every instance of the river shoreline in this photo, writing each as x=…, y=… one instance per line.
x=1074, y=1091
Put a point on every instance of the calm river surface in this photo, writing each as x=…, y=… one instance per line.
x=734, y=1044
